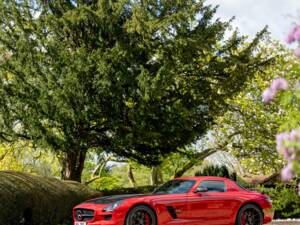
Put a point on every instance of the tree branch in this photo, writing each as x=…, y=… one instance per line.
x=199, y=157
x=4, y=155
x=99, y=168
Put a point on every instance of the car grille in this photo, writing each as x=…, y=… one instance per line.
x=84, y=214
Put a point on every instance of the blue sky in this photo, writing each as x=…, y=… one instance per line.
x=253, y=15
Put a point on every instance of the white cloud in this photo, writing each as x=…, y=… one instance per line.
x=252, y=15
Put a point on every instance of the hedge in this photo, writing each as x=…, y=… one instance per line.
x=286, y=201
x=35, y=200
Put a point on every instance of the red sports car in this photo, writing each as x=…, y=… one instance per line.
x=183, y=201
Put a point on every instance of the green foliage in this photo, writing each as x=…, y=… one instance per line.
x=254, y=122
x=173, y=163
x=24, y=157
x=285, y=199
x=289, y=101
x=106, y=183
x=137, y=78
x=116, y=177
x=219, y=171
x=141, y=174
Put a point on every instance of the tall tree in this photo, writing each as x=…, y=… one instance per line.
x=136, y=78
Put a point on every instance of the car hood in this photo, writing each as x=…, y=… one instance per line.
x=111, y=199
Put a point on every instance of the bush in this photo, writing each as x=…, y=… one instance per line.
x=40, y=200
x=286, y=201
x=105, y=183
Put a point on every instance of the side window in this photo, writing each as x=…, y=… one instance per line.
x=213, y=185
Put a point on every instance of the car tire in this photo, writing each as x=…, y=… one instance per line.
x=249, y=214
x=141, y=214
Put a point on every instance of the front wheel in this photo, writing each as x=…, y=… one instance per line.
x=249, y=215
x=141, y=215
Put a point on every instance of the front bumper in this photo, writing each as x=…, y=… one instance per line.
x=104, y=223
x=113, y=221
x=105, y=218
x=268, y=215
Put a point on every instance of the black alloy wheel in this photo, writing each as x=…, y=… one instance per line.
x=249, y=215
x=141, y=215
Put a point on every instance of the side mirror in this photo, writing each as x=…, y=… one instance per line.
x=201, y=189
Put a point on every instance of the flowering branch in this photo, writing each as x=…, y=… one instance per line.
x=288, y=143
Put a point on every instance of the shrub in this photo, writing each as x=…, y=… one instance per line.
x=219, y=171
x=105, y=183
x=41, y=200
x=286, y=201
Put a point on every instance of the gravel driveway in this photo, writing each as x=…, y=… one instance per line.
x=287, y=222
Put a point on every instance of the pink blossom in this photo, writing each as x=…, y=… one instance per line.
x=279, y=84
x=297, y=33
x=290, y=39
x=287, y=173
x=280, y=139
x=268, y=95
x=294, y=135
x=286, y=154
x=289, y=154
x=297, y=52
x=294, y=34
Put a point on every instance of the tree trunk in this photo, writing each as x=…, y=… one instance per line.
x=72, y=165
x=156, y=177
x=130, y=176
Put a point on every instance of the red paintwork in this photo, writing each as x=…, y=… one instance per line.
x=206, y=208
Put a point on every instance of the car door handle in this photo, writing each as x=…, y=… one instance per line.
x=178, y=211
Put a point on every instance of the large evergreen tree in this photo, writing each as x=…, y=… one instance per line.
x=138, y=78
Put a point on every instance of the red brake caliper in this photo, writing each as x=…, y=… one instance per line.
x=147, y=219
x=244, y=218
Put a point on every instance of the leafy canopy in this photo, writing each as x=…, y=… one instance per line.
x=136, y=78
x=254, y=122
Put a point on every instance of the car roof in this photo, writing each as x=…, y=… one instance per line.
x=202, y=178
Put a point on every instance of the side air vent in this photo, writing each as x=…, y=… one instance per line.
x=172, y=212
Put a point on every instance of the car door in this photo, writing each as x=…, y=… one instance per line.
x=172, y=207
x=212, y=206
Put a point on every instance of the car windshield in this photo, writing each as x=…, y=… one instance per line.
x=175, y=187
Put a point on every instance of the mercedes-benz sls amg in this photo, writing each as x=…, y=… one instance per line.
x=183, y=201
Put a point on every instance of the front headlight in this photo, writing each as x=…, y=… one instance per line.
x=113, y=206
x=268, y=199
